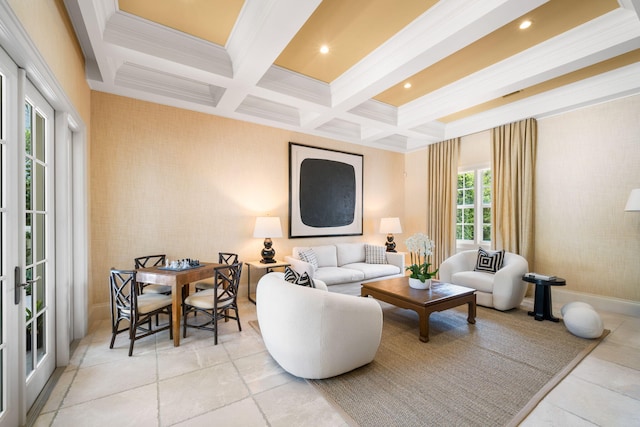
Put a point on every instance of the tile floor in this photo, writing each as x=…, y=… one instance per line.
x=236, y=383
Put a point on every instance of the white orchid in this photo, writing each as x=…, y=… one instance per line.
x=420, y=248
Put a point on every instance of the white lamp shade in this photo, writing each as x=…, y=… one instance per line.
x=390, y=226
x=267, y=226
x=633, y=202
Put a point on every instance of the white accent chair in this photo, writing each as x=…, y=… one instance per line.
x=313, y=333
x=502, y=290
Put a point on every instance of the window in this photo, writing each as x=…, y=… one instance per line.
x=474, y=196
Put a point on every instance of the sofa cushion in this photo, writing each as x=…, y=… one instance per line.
x=292, y=276
x=308, y=255
x=375, y=254
x=477, y=280
x=326, y=255
x=489, y=261
x=371, y=271
x=349, y=253
x=333, y=275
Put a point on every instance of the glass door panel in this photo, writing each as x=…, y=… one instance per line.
x=38, y=174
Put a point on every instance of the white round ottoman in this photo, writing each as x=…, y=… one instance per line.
x=582, y=320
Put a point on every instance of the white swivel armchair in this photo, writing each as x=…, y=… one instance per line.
x=502, y=290
x=313, y=333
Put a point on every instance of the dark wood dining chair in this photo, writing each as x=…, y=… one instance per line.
x=152, y=261
x=223, y=258
x=137, y=309
x=217, y=303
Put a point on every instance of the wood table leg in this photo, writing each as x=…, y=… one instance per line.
x=424, y=325
x=471, y=318
x=176, y=314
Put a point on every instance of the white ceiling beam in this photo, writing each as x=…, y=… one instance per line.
x=614, y=84
x=262, y=32
x=595, y=41
x=439, y=32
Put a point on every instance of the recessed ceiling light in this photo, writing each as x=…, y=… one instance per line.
x=525, y=24
x=407, y=85
x=324, y=49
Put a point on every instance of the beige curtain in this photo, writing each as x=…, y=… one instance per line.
x=513, y=166
x=442, y=178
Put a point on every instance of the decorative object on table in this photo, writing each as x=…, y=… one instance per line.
x=420, y=249
x=267, y=227
x=389, y=226
x=582, y=320
x=181, y=264
x=325, y=192
x=633, y=202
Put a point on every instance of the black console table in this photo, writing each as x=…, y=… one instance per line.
x=542, y=309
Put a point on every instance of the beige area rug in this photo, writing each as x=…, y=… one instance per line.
x=492, y=373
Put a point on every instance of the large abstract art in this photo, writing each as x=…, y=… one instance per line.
x=325, y=192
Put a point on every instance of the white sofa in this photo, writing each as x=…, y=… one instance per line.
x=344, y=263
x=502, y=290
x=313, y=333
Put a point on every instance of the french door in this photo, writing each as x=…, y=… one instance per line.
x=10, y=376
x=38, y=242
x=27, y=264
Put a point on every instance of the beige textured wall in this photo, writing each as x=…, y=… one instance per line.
x=166, y=180
x=588, y=162
x=49, y=27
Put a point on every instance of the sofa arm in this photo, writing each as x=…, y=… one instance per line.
x=508, y=287
x=454, y=264
x=397, y=259
x=301, y=266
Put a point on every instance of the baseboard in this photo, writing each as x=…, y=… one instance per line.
x=97, y=313
x=599, y=302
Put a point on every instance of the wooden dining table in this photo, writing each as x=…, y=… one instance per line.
x=179, y=281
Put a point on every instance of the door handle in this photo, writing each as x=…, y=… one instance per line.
x=17, y=279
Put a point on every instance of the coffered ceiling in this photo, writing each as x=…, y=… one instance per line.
x=469, y=65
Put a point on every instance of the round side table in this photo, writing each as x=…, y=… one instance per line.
x=542, y=303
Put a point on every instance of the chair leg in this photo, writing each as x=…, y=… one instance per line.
x=114, y=332
x=215, y=329
x=184, y=322
x=132, y=337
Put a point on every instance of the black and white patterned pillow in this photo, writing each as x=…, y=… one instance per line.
x=292, y=276
x=308, y=255
x=375, y=254
x=489, y=261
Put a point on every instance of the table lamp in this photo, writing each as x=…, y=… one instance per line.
x=267, y=227
x=390, y=226
x=633, y=202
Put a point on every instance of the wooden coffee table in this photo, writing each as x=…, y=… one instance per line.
x=441, y=296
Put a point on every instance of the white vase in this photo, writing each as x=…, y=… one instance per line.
x=417, y=284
